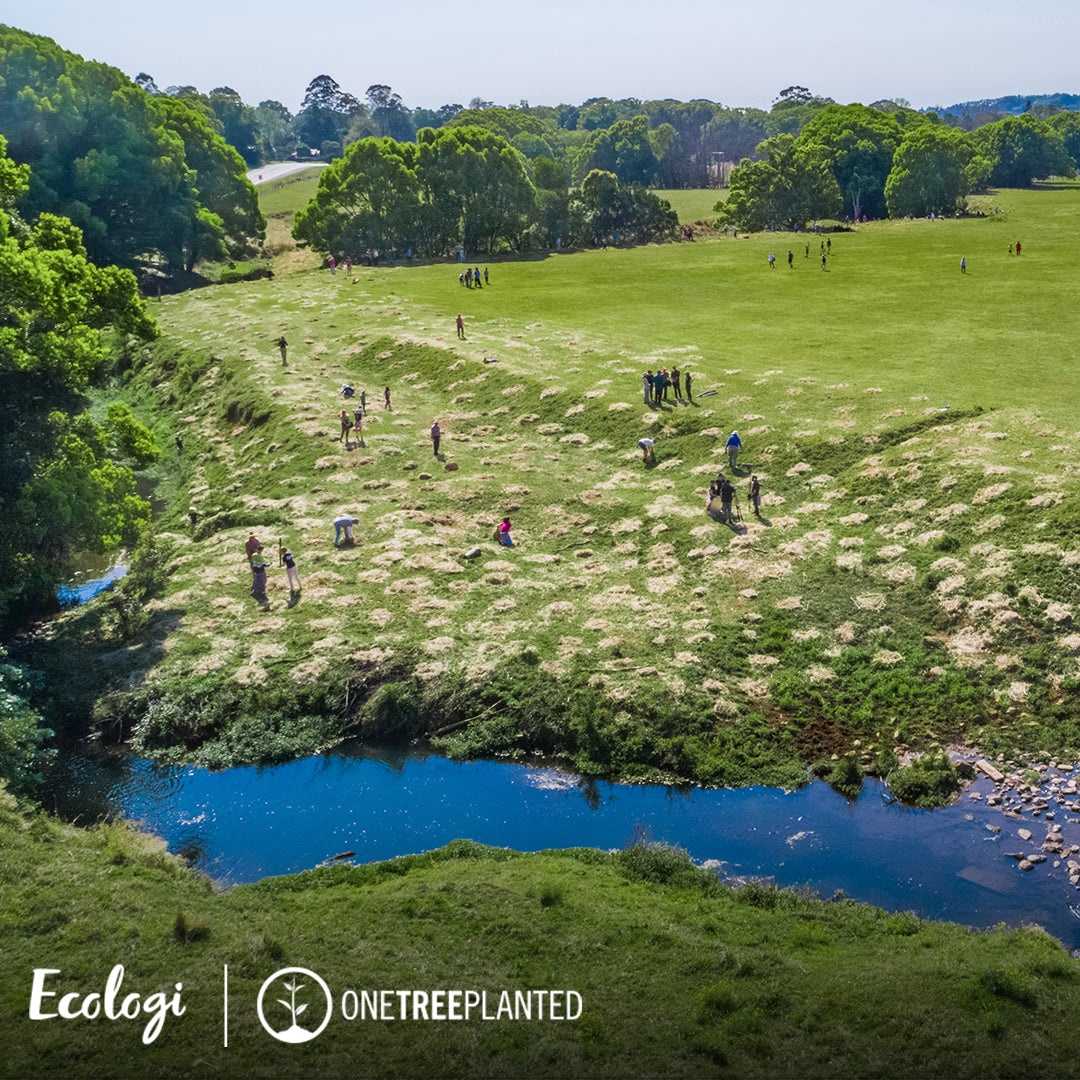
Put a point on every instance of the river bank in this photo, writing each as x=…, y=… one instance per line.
x=362, y=803
x=677, y=974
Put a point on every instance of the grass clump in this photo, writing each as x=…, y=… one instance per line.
x=931, y=780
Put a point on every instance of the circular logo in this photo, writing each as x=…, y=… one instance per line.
x=293, y=992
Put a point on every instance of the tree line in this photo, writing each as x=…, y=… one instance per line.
x=855, y=161
x=148, y=180
x=468, y=187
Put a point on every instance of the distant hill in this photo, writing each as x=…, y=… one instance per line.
x=1011, y=104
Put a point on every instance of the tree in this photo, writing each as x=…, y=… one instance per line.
x=1067, y=125
x=370, y=198
x=1023, y=149
x=792, y=185
x=456, y=185
x=276, y=139
x=859, y=143
x=61, y=490
x=117, y=161
x=549, y=175
x=325, y=113
x=623, y=149
x=477, y=179
x=933, y=168
x=389, y=113
x=238, y=122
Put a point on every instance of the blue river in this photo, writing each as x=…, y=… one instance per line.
x=240, y=825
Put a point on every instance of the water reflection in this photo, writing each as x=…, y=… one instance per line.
x=243, y=824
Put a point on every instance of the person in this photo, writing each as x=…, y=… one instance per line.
x=727, y=492
x=468, y=277
x=348, y=266
x=286, y=557
x=963, y=265
x=485, y=275
x=828, y=245
x=790, y=256
x=646, y=386
x=504, y=533
x=648, y=449
x=258, y=575
x=755, y=496
x=1017, y=247
x=358, y=423
x=687, y=378
x=772, y=261
x=476, y=277
x=1010, y=249
x=332, y=263
x=363, y=399
x=344, y=524
x=676, y=382
x=386, y=399
x=667, y=384
x=659, y=385
x=808, y=251
x=461, y=279
x=346, y=427
x=823, y=260
x=283, y=345
x=347, y=391
x=460, y=327
x=436, y=435
x=251, y=547
x=734, y=445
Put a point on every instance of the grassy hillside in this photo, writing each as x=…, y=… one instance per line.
x=910, y=583
x=678, y=975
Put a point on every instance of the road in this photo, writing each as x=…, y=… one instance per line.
x=280, y=169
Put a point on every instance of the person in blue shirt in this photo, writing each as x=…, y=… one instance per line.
x=734, y=445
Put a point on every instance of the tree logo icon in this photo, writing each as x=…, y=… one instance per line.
x=281, y=1016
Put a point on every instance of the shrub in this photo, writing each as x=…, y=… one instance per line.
x=928, y=782
x=846, y=778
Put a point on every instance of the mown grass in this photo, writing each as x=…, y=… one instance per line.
x=911, y=583
x=679, y=975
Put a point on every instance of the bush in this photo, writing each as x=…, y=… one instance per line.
x=846, y=778
x=21, y=734
x=930, y=781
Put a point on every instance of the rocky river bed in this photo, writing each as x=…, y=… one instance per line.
x=1040, y=805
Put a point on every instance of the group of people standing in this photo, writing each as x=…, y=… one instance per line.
x=471, y=278
x=723, y=489
x=655, y=386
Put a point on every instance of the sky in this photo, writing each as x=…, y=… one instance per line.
x=434, y=52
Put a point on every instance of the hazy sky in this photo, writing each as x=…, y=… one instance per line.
x=932, y=52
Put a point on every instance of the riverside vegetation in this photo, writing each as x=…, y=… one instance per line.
x=678, y=974
x=911, y=584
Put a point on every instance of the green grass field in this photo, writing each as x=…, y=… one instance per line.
x=694, y=204
x=910, y=582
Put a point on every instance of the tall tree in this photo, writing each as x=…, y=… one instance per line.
x=60, y=488
x=389, y=113
x=1023, y=149
x=859, y=143
x=370, y=198
x=790, y=186
x=934, y=167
